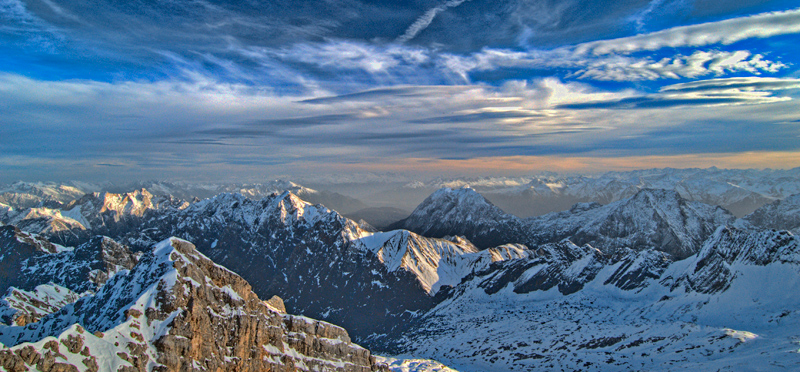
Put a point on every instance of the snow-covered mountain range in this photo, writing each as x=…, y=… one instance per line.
x=657, y=219
x=638, y=283
x=23, y=195
x=739, y=191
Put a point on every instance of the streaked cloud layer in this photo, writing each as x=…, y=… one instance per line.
x=213, y=89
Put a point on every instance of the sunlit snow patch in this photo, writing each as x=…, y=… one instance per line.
x=413, y=365
x=742, y=336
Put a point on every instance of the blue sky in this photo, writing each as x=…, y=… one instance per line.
x=249, y=90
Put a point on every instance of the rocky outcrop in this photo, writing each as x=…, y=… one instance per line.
x=257, y=338
x=564, y=266
x=176, y=310
x=730, y=251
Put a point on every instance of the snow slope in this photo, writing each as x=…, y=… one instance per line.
x=677, y=318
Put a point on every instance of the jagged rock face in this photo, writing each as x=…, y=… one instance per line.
x=93, y=214
x=729, y=249
x=33, y=261
x=434, y=262
x=113, y=214
x=781, y=215
x=21, y=307
x=637, y=269
x=39, y=277
x=462, y=212
x=16, y=248
x=175, y=311
x=739, y=191
x=564, y=266
x=257, y=340
x=24, y=195
x=314, y=258
x=653, y=219
x=45, y=221
x=255, y=191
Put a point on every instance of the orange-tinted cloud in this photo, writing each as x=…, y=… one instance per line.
x=519, y=165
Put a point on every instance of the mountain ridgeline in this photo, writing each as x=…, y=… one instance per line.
x=169, y=309
x=650, y=219
x=447, y=282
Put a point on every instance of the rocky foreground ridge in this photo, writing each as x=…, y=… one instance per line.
x=173, y=310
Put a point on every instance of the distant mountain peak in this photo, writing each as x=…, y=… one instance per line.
x=462, y=211
x=462, y=203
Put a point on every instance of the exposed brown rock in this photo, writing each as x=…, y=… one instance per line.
x=73, y=343
x=277, y=303
x=12, y=362
x=224, y=326
x=91, y=364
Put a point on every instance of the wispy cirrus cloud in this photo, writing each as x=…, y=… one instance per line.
x=698, y=64
x=425, y=20
x=612, y=60
x=751, y=83
x=722, y=32
x=714, y=92
x=347, y=55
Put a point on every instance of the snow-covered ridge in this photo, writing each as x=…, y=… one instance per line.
x=463, y=205
x=730, y=306
x=32, y=194
x=175, y=310
x=650, y=219
x=434, y=262
x=39, y=278
x=21, y=307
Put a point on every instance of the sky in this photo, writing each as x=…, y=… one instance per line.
x=241, y=91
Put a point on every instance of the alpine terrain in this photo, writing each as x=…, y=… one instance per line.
x=653, y=278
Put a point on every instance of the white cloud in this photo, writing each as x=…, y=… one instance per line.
x=346, y=55
x=698, y=64
x=730, y=92
x=359, y=65
x=609, y=59
x=15, y=18
x=201, y=123
x=752, y=83
x=723, y=32
x=425, y=20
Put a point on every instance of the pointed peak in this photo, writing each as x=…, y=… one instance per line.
x=292, y=199
x=461, y=194
x=657, y=194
